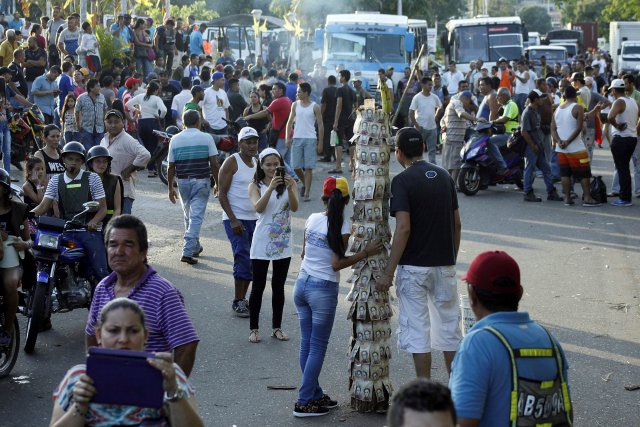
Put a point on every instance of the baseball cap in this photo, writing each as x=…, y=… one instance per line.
x=615, y=84
x=113, y=113
x=467, y=93
x=217, y=75
x=408, y=135
x=246, y=133
x=220, y=67
x=84, y=71
x=132, y=81
x=488, y=267
x=335, y=183
x=126, y=15
x=208, y=65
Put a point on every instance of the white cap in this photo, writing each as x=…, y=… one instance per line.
x=617, y=84
x=209, y=65
x=246, y=133
x=267, y=152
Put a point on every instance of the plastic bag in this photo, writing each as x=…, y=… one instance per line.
x=335, y=139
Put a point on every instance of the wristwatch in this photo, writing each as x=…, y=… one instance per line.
x=177, y=395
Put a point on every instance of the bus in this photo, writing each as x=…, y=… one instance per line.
x=485, y=38
x=368, y=41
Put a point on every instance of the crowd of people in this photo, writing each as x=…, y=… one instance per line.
x=106, y=117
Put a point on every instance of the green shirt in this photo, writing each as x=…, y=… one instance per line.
x=192, y=106
x=511, y=112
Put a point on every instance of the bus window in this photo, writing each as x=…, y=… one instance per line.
x=470, y=43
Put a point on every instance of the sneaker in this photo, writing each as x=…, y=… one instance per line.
x=327, y=402
x=302, y=190
x=613, y=194
x=241, y=308
x=189, y=260
x=311, y=409
x=5, y=338
x=531, y=197
x=591, y=204
x=569, y=201
x=554, y=197
x=622, y=203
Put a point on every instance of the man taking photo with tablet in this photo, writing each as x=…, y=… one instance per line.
x=170, y=328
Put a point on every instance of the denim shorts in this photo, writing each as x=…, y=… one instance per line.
x=303, y=153
x=241, y=247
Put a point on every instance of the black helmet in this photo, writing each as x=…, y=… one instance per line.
x=172, y=130
x=5, y=178
x=74, y=147
x=228, y=69
x=98, y=151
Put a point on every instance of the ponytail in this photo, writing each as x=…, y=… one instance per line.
x=335, y=219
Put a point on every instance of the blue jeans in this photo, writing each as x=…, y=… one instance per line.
x=285, y=153
x=127, y=205
x=316, y=301
x=5, y=142
x=533, y=161
x=143, y=65
x=93, y=244
x=430, y=137
x=493, y=147
x=194, y=195
x=90, y=139
x=241, y=248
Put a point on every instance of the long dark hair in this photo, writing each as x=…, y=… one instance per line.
x=335, y=218
x=260, y=175
x=151, y=89
x=65, y=106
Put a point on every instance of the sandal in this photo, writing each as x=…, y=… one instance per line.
x=152, y=175
x=279, y=335
x=254, y=336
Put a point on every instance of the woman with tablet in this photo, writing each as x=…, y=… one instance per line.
x=122, y=327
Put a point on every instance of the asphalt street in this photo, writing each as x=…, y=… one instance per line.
x=580, y=270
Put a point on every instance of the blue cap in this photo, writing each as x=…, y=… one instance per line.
x=467, y=93
x=217, y=75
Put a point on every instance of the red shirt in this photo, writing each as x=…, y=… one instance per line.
x=280, y=109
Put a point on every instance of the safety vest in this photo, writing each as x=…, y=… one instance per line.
x=537, y=403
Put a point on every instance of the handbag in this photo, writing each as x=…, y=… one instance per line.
x=274, y=134
x=151, y=54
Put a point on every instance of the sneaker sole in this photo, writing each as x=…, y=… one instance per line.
x=242, y=314
x=309, y=414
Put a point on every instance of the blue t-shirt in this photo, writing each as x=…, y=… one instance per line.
x=65, y=86
x=291, y=89
x=480, y=379
x=195, y=42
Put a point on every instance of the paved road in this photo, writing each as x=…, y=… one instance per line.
x=581, y=273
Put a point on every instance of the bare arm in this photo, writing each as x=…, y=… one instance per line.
x=259, y=115
x=494, y=107
x=400, y=239
x=457, y=231
x=336, y=120
x=43, y=207
x=466, y=422
x=340, y=263
x=412, y=119
x=292, y=117
x=618, y=107
x=215, y=168
x=117, y=200
x=225, y=176
x=185, y=356
x=316, y=110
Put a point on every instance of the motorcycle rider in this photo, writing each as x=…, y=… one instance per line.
x=99, y=161
x=78, y=187
x=509, y=118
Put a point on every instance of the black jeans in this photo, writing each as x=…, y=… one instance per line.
x=278, y=277
x=622, y=149
x=149, y=139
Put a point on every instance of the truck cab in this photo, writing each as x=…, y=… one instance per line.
x=629, y=57
x=552, y=53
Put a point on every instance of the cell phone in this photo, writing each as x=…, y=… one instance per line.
x=280, y=171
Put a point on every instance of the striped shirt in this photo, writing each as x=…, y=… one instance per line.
x=95, y=185
x=455, y=125
x=190, y=151
x=109, y=415
x=165, y=314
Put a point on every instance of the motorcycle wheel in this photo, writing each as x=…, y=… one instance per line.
x=38, y=310
x=9, y=354
x=162, y=167
x=469, y=181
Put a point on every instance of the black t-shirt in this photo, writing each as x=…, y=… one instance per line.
x=6, y=226
x=329, y=98
x=428, y=193
x=18, y=79
x=167, y=93
x=31, y=73
x=348, y=99
x=238, y=104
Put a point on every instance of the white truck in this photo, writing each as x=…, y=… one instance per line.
x=624, y=46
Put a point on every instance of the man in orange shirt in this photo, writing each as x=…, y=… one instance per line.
x=505, y=75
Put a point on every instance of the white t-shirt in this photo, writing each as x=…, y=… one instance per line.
x=317, y=253
x=451, y=80
x=425, y=109
x=522, y=87
x=213, y=107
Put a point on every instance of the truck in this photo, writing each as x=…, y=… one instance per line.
x=624, y=46
x=589, y=33
x=570, y=39
x=552, y=53
x=534, y=39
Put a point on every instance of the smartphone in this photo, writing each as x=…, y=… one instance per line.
x=280, y=171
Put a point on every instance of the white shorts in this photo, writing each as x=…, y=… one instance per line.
x=429, y=315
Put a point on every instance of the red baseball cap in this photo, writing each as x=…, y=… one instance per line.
x=488, y=267
x=131, y=81
x=335, y=182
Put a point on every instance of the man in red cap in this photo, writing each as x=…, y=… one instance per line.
x=509, y=370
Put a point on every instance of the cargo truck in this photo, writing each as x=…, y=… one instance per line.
x=624, y=46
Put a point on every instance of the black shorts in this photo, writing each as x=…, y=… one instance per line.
x=345, y=133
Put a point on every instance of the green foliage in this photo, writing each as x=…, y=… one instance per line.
x=536, y=18
x=600, y=11
x=110, y=47
x=622, y=10
x=200, y=9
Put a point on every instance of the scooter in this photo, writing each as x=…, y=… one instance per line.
x=479, y=170
x=60, y=284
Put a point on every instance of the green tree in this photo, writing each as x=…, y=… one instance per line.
x=619, y=10
x=536, y=18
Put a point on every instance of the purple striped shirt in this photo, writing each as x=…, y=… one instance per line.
x=165, y=314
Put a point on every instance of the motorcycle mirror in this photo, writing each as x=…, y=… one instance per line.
x=91, y=206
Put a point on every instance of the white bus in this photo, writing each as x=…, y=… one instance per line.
x=483, y=38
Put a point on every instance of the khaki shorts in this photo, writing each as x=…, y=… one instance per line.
x=429, y=315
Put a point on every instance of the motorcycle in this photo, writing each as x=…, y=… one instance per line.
x=226, y=144
x=26, y=127
x=60, y=285
x=479, y=170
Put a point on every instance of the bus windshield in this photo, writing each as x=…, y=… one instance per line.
x=360, y=47
x=470, y=43
x=505, y=45
x=486, y=43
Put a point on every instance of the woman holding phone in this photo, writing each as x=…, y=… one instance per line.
x=122, y=327
x=274, y=196
x=315, y=294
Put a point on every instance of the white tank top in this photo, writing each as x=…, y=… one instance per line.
x=272, y=237
x=567, y=124
x=305, y=121
x=628, y=116
x=238, y=193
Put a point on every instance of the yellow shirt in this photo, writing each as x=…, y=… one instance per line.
x=6, y=52
x=386, y=97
